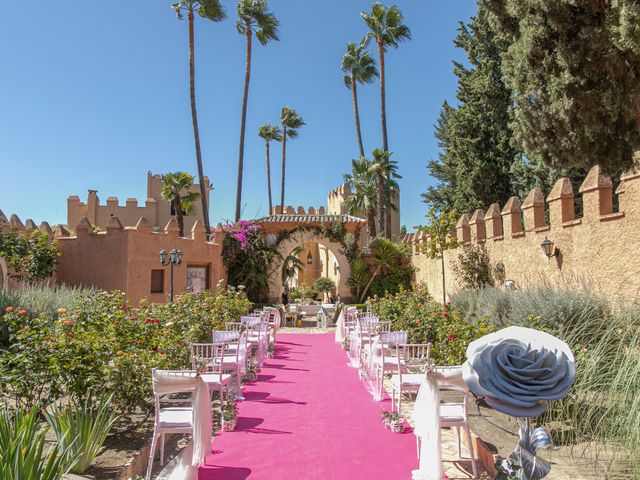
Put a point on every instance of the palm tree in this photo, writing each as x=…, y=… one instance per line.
x=176, y=189
x=253, y=15
x=362, y=181
x=291, y=122
x=360, y=67
x=388, y=30
x=386, y=27
x=292, y=265
x=211, y=10
x=269, y=133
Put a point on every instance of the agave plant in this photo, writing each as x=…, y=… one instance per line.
x=22, y=449
x=87, y=423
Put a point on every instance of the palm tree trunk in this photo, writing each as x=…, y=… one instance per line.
x=444, y=288
x=383, y=100
x=356, y=112
x=194, y=120
x=371, y=221
x=177, y=208
x=284, y=157
x=368, y=285
x=243, y=122
x=269, y=178
x=380, y=202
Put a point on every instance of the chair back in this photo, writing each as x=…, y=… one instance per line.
x=207, y=357
x=250, y=321
x=413, y=357
x=236, y=326
x=224, y=336
x=393, y=339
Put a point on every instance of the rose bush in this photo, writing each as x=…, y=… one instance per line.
x=102, y=345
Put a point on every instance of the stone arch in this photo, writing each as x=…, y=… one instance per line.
x=4, y=274
x=275, y=277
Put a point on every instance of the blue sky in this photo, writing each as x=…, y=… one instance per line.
x=94, y=97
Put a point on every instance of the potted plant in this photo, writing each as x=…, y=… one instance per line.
x=385, y=416
x=396, y=422
x=346, y=344
x=251, y=375
x=230, y=415
x=271, y=350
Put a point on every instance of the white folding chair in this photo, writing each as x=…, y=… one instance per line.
x=207, y=358
x=411, y=365
x=387, y=358
x=170, y=419
x=453, y=412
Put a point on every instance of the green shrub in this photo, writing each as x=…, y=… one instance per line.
x=82, y=428
x=426, y=320
x=22, y=449
x=603, y=405
x=324, y=285
x=472, y=268
x=101, y=344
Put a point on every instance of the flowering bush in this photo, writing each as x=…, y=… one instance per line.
x=103, y=345
x=426, y=320
x=247, y=258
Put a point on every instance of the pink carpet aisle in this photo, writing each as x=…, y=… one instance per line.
x=308, y=417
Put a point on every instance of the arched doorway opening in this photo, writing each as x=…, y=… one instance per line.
x=334, y=263
x=305, y=264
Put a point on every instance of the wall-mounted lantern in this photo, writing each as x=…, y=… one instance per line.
x=309, y=258
x=548, y=248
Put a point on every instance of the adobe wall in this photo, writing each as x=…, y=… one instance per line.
x=599, y=250
x=156, y=209
x=122, y=258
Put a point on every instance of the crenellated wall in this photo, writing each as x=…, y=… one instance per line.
x=599, y=250
x=123, y=258
x=156, y=209
x=289, y=210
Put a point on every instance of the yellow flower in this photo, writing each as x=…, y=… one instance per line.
x=62, y=311
x=119, y=352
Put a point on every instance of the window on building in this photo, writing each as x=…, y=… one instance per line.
x=197, y=278
x=157, y=281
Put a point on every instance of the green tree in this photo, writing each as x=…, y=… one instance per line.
x=176, y=190
x=269, y=133
x=291, y=123
x=574, y=69
x=389, y=259
x=211, y=10
x=253, y=16
x=360, y=68
x=440, y=231
x=324, y=285
x=386, y=173
x=362, y=181
x=472, y=169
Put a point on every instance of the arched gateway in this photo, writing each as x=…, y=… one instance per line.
x=290, y=230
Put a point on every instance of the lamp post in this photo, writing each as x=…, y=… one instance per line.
x=174, y=258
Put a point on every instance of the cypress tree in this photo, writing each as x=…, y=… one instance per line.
x=574, y=69
x=474, y=136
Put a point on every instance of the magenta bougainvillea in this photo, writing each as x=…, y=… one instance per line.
x=247, y=257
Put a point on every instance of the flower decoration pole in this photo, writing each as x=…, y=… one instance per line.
x=518, y=371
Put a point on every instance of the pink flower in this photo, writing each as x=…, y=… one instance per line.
x=451, y=337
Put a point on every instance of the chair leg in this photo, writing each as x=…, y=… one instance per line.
x=474, y=468
x=393, y=398
x=162, y=449
x=400, y=399
x=459, y=442
x=152, y=453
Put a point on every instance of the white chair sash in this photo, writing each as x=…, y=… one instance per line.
x=166, y=383
x=426, y=417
